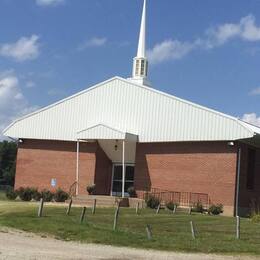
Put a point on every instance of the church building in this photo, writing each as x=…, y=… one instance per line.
x=124, y=133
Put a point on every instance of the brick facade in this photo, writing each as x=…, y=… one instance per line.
x=199, y=167
x=40, y=161
x=248, y=195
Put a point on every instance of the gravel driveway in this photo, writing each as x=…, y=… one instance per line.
x=20, y=245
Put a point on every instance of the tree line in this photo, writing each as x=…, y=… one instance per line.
x=8, y=151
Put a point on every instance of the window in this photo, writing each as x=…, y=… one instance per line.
x=137, y=68
x=142, y=67
x=251, y=168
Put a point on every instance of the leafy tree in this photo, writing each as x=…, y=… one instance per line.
x=8, y=151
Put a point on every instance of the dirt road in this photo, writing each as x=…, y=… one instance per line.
x=20, y=245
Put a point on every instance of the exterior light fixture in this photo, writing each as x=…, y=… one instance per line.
x=116, y=145
x=231, y=144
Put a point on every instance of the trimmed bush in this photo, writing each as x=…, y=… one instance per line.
x=198, y=207
x=11, y=194
x=47, y=195
x=171, y=205
x=215, y=209
x=131, y=191
x=152, y=202
x=36, y=195
x=61, y=196
x=25, y=194
x=91, y=188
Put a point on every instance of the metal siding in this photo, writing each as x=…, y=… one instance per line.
x=150, y=114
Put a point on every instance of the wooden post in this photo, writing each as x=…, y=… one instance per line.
x=238, y=228
x=192, y=230
x=174, y=209
x=158, y=209
x=149, y=232
x=83, y=214
x=116, y=217
x=40, y=208
x=69, y=207
x=137, y=208
x=190, y=210
x=94, y=206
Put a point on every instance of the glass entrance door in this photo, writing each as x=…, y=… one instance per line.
x=118, y=179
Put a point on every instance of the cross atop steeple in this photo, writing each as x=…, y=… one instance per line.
x=140, y=65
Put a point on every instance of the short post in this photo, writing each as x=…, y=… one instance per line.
x=158, y=209
x=69, y=207
x=40, y=208
x=94, y=206
x=192, y=230
x=116, y=217
x=190, y=208
x=238, y=228
x=137, y=208
x=149, y=232
x=83, y=214
x=174, y=209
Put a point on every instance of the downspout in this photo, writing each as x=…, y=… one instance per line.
x=77, y=170
x=238, y=180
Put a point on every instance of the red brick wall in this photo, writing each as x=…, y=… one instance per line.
x=103, y=173
x=247, y=195
x=39, y=161
x=199, y=167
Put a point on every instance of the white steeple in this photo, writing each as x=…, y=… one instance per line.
x=140, y=65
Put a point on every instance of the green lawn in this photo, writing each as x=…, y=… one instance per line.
x=170, y=232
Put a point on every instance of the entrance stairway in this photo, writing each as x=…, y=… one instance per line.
x=106, y=201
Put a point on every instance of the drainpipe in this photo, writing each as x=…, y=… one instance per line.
x=123, y=170
x=238, y=180
x=77, y=170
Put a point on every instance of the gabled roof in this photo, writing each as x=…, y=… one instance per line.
x=127, y=107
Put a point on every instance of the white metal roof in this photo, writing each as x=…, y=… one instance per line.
x=152, y=115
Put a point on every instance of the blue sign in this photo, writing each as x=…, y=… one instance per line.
x=53, y=182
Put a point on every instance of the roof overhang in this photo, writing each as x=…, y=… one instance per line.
x=105, y=132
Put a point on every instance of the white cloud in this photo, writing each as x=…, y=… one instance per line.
x=13, y=104
x=246, y=30
x=170, y=50
x=252, y=119
x=49, y=2
x=26, y=48
x=94, y=42
x=255, y=92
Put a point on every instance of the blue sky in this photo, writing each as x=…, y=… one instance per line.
x=204, y=51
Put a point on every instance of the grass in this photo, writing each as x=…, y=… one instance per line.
x=2, y=195
x=215, y=234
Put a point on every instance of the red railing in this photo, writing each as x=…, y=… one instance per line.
x=184, y=199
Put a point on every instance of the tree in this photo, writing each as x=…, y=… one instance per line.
x=8, y=151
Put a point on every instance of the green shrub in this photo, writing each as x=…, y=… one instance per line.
x=215, y=209
x=152, y=202
x=255, y=218
x=198, y=207
x=171, y=205
x=11, y=194
x=36, y=195
x=131, y=191
x=47, y=195
x=61, y=196
x=25, y=194
x=91, y=188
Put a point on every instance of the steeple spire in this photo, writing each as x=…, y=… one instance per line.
x=140, y=65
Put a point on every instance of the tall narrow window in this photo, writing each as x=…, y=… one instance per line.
x=251, y=169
